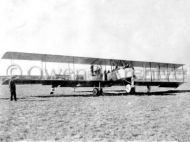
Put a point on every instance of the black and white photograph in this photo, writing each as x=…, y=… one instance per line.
x=95, y=70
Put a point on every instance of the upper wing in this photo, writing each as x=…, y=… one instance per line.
x=84, y=60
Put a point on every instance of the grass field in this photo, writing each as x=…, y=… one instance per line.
x=77, y=116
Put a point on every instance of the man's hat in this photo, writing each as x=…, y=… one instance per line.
x=13, y=77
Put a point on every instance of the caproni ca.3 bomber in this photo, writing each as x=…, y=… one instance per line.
x=102, y=73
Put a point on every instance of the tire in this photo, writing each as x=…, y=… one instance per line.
x=128, y=88
x=95, y=92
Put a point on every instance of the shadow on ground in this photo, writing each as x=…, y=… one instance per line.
x=113, y=93
x=119, y=93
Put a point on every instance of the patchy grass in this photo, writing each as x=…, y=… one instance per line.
x=104, y=118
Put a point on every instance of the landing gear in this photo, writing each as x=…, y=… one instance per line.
x=97, y=92
x=101, y=91
x=52, y=91
x=148, y=89
x=133, y=90
x=130, y=89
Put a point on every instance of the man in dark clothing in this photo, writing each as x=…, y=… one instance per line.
x=12, y=87
x=105, y=75
x=92, y=69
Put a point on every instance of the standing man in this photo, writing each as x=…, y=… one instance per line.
x=12, y=87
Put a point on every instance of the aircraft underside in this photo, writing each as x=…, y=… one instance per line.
x=98, y=84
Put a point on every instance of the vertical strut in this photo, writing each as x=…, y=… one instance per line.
x=150, y=72
x=74, y=67
x=175, y=73
x=159, y=72
x=168, y=74
x=145, y=72
x=42, y=68
x=183, y=74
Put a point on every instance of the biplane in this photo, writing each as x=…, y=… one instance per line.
x=104, y=73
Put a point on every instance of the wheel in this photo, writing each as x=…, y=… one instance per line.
x=128, y=88
x=95, y=92
x=52, y=91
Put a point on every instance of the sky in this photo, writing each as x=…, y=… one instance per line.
x=147, y=30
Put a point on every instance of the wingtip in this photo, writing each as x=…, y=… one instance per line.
x=5, y=55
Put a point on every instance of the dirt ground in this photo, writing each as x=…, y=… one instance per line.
x=77, y=116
